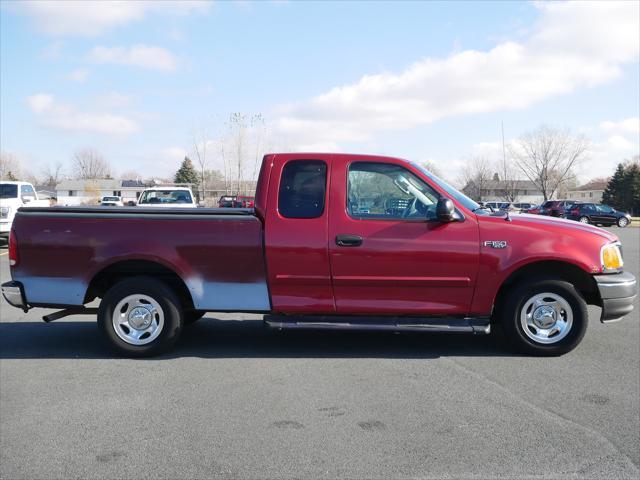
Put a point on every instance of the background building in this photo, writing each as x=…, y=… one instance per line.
x=83, y=192
x=589, y=192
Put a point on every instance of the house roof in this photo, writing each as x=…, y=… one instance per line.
x=99, y=184
x=597, y=184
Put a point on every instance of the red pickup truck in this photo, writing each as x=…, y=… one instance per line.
x=334, y=242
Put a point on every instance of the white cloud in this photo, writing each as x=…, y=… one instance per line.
x=60, y=116
x=145, y=56
x=573, y=45
x=174, y=153
x=78, y=75
x=40, y=102
x=93, y=18
x=628, y=125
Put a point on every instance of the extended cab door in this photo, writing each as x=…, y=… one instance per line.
x=386, y=257
x=296, y=223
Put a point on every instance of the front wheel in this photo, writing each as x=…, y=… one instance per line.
x=584, y=220
x=140, y=317
x=623, y=222
x=545, y=317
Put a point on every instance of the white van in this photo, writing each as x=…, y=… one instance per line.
x=14, y=195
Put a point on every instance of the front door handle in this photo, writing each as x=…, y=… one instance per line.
x=348, y=240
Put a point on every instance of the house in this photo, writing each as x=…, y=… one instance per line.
x=87, y=192
x=589, y=192
x=492, y=190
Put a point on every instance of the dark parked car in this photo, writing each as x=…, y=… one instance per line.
x=598, y=214
x=236, y=201
x=556, y=208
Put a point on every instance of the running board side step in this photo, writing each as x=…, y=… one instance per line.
x=477, y=325
x=69, y=311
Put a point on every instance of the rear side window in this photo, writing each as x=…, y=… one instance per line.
x=302, y=189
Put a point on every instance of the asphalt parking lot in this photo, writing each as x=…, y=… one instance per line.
x=236, y=401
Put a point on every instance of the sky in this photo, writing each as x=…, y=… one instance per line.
x=427, y=81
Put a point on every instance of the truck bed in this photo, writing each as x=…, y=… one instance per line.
x=217, y=253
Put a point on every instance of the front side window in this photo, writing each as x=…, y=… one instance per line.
x=387, y=192
x=27, y=190
x=302, y=189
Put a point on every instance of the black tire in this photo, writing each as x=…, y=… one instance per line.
x=160, y=293
x=623, y=222
x=516, y=301
x=584, y=219
x=192, y=316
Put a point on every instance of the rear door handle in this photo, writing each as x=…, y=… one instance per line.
x=348, y=240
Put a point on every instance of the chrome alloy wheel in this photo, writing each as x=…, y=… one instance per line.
x=584, y=220
x=546, y=318
x=138, y=319
x=622, y=222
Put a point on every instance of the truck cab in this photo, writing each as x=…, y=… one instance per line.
x=14, y=195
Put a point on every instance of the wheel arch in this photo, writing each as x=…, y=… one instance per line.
x=552, y=269
x=111, y=274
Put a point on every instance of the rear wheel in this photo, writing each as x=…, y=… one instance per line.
x=584, y=219
x=545, y=317
x=623, y=222
x=140, y=317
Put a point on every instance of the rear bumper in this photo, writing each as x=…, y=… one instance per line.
x=13, y=293
x=618, y=292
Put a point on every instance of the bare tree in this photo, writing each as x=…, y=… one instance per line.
x=508, y=179
x=9, y=167
x=241, y=149
x=90, y=164
x=52, y=174
x=475, y=177
x=548, y=156
x=431, y=167
x=129, y=175
x=201, y=153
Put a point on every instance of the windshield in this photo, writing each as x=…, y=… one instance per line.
x=165, y=197
x=8, y=190
x=110, y=199
x=452, y=192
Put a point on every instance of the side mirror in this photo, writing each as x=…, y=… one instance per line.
x=445, y=211
x=27, y=198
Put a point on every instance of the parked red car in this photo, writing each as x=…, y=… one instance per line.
x=535, y=210
x=323, y=250
x=556, y=208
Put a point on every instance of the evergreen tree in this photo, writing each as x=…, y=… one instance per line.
x=614, y=192
x=632, y=189
x=186, y=173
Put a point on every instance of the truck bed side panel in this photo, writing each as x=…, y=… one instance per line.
x=219, y=257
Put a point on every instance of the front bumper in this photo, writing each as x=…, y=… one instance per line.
x=617, y=291
x=13, y=292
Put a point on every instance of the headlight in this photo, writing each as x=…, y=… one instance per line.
x=611, y=257
x=4, y=212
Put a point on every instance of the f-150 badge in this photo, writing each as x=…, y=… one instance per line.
x=496, y=243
